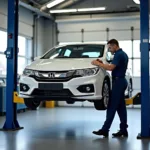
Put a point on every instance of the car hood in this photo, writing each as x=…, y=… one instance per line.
x=60, y=64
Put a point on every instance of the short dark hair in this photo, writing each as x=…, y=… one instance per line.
x=113, y=41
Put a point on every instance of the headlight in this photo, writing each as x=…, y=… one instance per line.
x=86, y=72
x=28, y=72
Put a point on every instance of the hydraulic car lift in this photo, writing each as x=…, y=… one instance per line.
x=145, y=78
x=11, y=53
x=12, y=98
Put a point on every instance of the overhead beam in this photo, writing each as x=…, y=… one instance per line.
x=36, y=10
x=68, y=3
x=35, y=3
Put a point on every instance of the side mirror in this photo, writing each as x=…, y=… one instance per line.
x=109, y=57
x=36, y=58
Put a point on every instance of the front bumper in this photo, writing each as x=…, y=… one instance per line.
x=72, y=89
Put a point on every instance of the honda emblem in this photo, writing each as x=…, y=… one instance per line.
x=51, y=75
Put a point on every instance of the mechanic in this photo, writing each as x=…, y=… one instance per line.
x=119, y=85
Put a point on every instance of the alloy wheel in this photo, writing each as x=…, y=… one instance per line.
x=106, y=94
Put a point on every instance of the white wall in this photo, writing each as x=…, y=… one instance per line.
x=39, y=36
x=25, y=19
x=50, y=34
x=45, y=36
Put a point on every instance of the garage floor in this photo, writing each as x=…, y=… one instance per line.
x=70, y=129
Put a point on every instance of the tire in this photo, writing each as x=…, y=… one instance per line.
x=103, y=103
x=70, y=102
x=31, y=103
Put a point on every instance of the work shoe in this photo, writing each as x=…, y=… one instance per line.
x=101, y=132
x=120, y=134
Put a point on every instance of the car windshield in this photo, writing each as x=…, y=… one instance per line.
x=75, y=51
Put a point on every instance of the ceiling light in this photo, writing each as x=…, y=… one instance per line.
x=54, y=3
x=137, y=1
x=92, y=9
x=63, y=11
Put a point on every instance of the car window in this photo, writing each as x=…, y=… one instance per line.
x=91, y=54
x=55, y=54
x=76, y=51
x=67, y=52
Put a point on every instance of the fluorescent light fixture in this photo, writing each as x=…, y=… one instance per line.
x=63, y=11
x=54, y=3
x=92, y=9
x=137, y=1
x=79, y=10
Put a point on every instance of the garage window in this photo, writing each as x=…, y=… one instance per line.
x=130, y=64
x=136, y=67
x=136, y=58
x=3, y=41
x=22, y=45
x=2, y=64
x=136, y=49
x=24, y=56
x=127, y=47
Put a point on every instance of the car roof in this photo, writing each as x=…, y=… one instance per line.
x=72, y=44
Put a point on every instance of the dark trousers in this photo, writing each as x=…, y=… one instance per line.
x=117, y=104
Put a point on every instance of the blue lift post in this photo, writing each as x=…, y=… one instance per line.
x=11, y=53
x=145, y=79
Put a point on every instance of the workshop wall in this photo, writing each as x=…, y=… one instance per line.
x=39, y=36
x=25, y=19
x=45, y=35
x=95, y=29
x=49, y=34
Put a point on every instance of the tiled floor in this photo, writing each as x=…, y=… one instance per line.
x=70, y=129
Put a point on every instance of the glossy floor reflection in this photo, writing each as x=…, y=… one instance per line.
x=70, y=129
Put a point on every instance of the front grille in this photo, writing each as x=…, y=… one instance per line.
x=53, y=76
x=51, y=80
x=63, y=93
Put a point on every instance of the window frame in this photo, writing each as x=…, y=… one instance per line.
x=28, y=47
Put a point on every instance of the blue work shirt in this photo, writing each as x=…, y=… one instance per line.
x=121, y=61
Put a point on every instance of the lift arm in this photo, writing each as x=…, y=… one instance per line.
x=18, y=99
x=135, y=100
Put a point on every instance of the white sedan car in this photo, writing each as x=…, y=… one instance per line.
x=65, y=73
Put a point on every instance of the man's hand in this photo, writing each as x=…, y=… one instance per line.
x=99, y=60
x=109, y=67
x=95, y=62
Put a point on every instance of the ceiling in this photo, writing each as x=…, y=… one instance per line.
x=41, y=2
x=112, y=6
